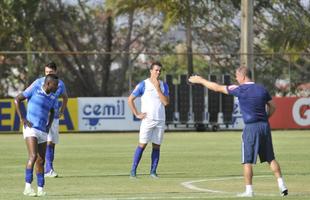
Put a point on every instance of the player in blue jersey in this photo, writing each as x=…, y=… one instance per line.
x=154, y=95
x=53, y=134
x=36, y=124
x=256, y=106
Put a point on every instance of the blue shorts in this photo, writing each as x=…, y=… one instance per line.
x=256, y=140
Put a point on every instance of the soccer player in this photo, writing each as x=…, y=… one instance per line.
x=53, y=134
x=154, y=95
x=256, y=106
x=36, y=124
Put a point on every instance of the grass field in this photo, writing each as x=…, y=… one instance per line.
x=192, y=166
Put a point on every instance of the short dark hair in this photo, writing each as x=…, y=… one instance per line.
x=51, y=65
x=245, y=71
x=156, y=63
x=50, y=77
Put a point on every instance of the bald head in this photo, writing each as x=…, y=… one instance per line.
x=243, y=75
x=245, y=71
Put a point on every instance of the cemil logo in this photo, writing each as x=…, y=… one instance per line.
x=93, y=113
x=301, y=111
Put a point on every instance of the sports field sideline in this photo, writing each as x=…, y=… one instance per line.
x=192, y=166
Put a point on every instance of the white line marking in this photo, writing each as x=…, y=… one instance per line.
x=190, y=185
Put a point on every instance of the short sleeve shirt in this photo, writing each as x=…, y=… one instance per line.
x=39, y=106
x=252, y=99
x=150, y=102
x=61, y=90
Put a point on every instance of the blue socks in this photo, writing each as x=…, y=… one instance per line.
x=137, y=158
x=49, y=158
x=40, y=179
x=28, y=175
x=155, y=159
x=138, y=155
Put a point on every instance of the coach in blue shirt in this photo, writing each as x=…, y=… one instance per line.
x=256, y=137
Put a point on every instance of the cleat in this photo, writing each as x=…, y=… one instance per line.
x=133, y=174
x=29, y=192
x=246, y=194
x=51, y=174
x=41, y=193
x=154, y=175
x=284, y=192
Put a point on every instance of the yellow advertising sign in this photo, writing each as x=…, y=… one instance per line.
x=9, y=120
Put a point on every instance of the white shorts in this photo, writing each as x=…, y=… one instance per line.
x=151, y=131
x=53, y=134
x=32, y=132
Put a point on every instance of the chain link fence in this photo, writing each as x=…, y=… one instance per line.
x=116, y=73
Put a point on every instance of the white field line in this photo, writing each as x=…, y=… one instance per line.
x=190, y=185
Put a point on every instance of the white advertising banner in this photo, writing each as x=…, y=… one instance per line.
x=106, y=114
x=237, y=121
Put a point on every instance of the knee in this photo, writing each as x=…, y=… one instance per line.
x=40, y=161
x=143, y=146
x=32, y=157
x=156, y=146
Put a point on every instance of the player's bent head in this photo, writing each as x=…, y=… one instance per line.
x=51, y=78
x=51, y=82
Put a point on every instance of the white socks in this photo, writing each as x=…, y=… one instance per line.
x=281, y=183
x=40, y=189
x=248, y=188
x=27, y=185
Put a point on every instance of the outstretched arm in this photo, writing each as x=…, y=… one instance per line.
x=208, y=84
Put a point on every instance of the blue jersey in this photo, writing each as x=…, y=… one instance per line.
x=252, y=100
x=61, y=90
x=39, y=106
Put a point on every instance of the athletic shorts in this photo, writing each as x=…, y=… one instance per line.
x=53, y=134
x=256, y=140
x=32, y=132
x=151, y=131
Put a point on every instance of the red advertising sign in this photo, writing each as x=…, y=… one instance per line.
x=291, y=113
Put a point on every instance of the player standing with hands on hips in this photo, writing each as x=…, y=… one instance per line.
x=154, y=95
x=53, y=134
x=40, y=115
x=256, y=137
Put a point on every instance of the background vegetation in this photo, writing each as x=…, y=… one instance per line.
x=104, y=48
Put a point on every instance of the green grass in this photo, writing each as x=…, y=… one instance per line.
x=96, y=166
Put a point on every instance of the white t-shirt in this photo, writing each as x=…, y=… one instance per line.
x=150, y=102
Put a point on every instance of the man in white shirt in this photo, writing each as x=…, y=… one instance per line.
x=154, y=95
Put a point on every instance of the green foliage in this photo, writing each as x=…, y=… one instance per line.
x=279, y=27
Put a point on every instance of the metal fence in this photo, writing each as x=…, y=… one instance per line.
x=116, y=73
